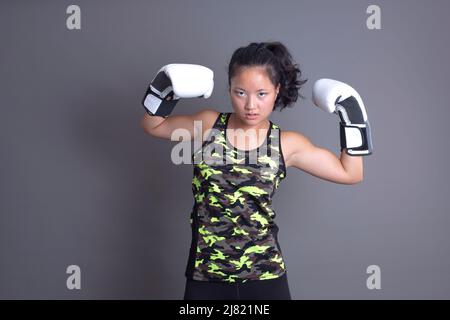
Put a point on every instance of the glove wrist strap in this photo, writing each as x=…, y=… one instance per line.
x=356, y=139
x=155, y=106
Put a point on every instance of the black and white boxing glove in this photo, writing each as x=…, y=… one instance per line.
x=175, y=81
x=337, y=97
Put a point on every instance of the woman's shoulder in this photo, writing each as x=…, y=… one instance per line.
x=291, y=141
x=208, y=118
x=209, y=114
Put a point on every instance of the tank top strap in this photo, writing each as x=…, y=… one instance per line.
x=221, y=121
x=275, y=146
x=218, y=125
x=274, y=133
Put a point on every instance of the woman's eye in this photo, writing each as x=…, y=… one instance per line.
x=242, y=93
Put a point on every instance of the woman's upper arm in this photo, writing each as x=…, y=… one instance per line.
x=319, y=162
x=185, y=124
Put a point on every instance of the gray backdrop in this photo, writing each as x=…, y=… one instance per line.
x=82, y=184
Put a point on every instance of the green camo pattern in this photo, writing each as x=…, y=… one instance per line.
x=234, y=236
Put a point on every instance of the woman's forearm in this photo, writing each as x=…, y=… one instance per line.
x=353, y=165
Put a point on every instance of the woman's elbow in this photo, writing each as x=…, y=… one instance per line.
x=144, y=127
x=350, y=180
x=357, y=180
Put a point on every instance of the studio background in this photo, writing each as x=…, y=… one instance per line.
x=82, y=184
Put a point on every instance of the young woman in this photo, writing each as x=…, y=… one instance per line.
x=235, y=252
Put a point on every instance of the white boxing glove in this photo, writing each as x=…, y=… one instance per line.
x=175, y=81
x=337, y=97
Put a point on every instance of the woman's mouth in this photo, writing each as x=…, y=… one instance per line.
x=251, y=116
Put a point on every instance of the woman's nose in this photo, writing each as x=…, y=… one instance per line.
x=250, y=105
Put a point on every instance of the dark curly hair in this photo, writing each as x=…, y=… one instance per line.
x=280, y=67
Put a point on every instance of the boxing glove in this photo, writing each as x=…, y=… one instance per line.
x=175, y=81
x=337, y=97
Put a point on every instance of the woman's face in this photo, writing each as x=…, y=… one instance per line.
x=252, y=95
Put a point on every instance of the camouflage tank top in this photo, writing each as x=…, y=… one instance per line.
x=234, y=236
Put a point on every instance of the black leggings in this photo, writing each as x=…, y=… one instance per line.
x=271, y=289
